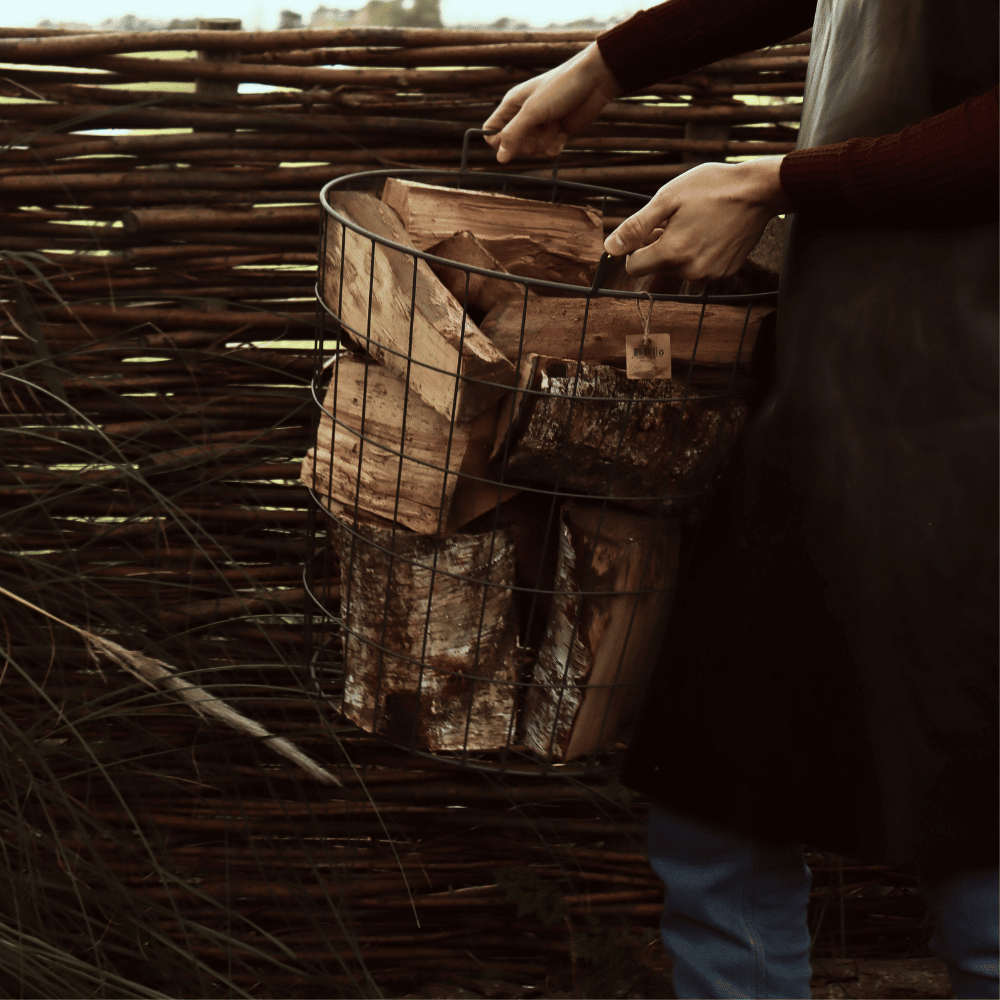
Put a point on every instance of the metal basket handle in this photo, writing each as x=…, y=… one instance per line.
x=469, y=133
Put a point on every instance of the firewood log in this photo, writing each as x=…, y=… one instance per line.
x=413, y=327
x=534, y=519
x=553, y=326
x=483, y=292
x=613, y=587
x=364, y=458
x=581, y=428
x=430, y=635
x=534, y=239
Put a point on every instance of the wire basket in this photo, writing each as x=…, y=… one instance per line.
x=502, y=524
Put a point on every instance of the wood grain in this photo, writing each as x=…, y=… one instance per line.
x=537, y=239
x=554, y=326
x=483, y=291
x=408, y=322
x=392, y=456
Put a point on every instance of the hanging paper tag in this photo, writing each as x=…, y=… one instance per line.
x=647, y=357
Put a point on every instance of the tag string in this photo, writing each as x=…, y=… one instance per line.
x=645, y=319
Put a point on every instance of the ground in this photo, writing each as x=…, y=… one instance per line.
x=861, y=978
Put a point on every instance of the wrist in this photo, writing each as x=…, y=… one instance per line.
x=763, y=178
x=605, y=80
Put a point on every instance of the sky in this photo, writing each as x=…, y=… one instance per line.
x=263, y=14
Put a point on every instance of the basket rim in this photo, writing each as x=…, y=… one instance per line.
x=758, y=298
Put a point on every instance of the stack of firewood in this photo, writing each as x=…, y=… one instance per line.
x=504, y=496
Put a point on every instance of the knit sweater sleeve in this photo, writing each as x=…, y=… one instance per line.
x=941, y=170
x=679, y=36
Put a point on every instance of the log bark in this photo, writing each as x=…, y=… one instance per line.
x=613, y=587
x=430, y=636
x=587, y=429
x=404, y=317
x=535, y=239
x=554, y=327
x=390, y=455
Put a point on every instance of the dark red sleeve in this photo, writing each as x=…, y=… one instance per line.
x=943, y=169
x=679, y=36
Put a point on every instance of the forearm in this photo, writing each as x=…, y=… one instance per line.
x=680, y=36
x=941, y=170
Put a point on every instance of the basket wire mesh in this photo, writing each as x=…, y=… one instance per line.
x=499, y=705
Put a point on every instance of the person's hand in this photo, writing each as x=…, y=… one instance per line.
x=703, y=223
x=536, y=117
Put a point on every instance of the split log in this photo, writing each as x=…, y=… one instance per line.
x=613, y=587
x=484, y=292
x=587, y=429
x=534, y=519
x=554, y=327
x=535, y=239
x=362, y=459
x=430, y=636
x=404, y=317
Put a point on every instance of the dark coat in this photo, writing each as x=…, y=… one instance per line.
x=829, y=675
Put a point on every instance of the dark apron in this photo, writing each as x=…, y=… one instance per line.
x=829, y=675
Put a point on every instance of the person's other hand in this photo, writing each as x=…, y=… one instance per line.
x=709, y=218
x=536, y=117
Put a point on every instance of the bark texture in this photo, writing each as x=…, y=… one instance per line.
x=408, y=600
x=613, y=586
x=587, y=429
x=536, y=239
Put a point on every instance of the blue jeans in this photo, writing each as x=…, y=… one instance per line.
x=734, y=915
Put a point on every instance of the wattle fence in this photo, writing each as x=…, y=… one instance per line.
x=158, y=236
